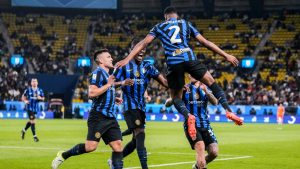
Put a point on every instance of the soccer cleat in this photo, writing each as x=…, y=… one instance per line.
x=191, y=126
x=234, y=118
x=195, y=166
x=58, y=160
x=23, y=134
x=35, y=139
x=110, y=165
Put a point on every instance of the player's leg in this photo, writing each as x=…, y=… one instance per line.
x=175, y=77
x=130, y=118
x=212, y=152
x=200, y=154
x=199, y=72
x=28, y=124
x=32, y=121
x=194, y=142
x=140, y=146
x=129, y=147
x=78, y=149
x=113, y=137
x=95, y=128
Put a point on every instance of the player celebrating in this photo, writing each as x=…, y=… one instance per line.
x=196, y=99
x=31, y=97
x=102, y=121
x=139, y=72
x=175, y=34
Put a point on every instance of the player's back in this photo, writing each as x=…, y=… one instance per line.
x=175, y=35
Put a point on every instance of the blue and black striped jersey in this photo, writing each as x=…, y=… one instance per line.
x=133, y=96
x=175, y=36
x=196, y=102
x=32, y=94
x=104, y=103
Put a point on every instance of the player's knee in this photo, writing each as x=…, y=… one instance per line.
x=214, y=153
x=90, y=147
x=137, y=131
x=117, y=146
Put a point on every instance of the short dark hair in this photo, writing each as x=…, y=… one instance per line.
x=98, y=52
x=169, y=10
x=135, y=41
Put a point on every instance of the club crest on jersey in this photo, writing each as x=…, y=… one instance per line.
x=143, y=70
x=196, y=96
x=97, y=135
x=137, y=74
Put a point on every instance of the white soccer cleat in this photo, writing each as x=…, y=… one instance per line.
x=195, y=166
x=110, y=165
x=58, y=160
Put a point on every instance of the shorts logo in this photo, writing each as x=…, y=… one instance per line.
x=137, y=74
x=138, y=122
x=97, y=135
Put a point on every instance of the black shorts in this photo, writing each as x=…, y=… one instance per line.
x=103, y=127
x=31, y=114
x=135, y=118
x=175, y=73
x=203, y=134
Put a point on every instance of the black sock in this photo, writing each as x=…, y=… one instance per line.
x=28, y=124
x=141, y=149
x=117, y=160
x=126, y=132
x=129, y=148
x=220, y=95
x=181, y=108
x=76, y=150
x=33, y=129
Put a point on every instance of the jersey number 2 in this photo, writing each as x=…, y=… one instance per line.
x=174, y=36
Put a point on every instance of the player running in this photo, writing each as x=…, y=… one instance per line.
x=102, y=121
x=31, y=97
x=175, y=33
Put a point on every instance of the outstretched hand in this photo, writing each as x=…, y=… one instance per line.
x=121, y=63
x=233, y=60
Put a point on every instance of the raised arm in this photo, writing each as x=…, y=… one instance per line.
x=137, y=48
x=216, y=49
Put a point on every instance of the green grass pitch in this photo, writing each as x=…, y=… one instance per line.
x=253, y=146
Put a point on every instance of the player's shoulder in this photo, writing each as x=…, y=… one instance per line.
x=147, y=64
x=95, y=71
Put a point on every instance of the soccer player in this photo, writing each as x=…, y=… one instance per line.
x=31, y=97
x=280, y=114
x=102, y=121
x=175, y=34
x=196, y=99
x=140, y=72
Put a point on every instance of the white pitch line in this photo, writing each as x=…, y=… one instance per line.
x=176, y=153
x=41, y=148
x=189, y=162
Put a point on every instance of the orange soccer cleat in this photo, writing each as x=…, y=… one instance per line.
x=192, y=126
x=234, y=118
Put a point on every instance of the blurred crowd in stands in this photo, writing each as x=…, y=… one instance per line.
x=246, y=90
